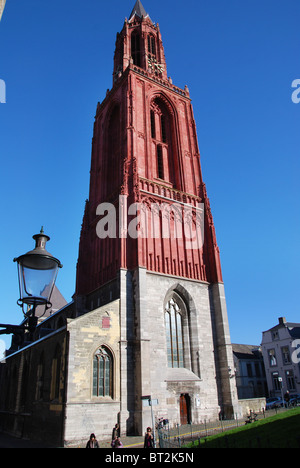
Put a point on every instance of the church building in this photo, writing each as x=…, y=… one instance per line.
x=148, y=317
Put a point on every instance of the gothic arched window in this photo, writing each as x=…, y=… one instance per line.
x=162, y=123
x=39, y=393
x=174, y=334
x=55, y=374
x=114, y=149
x=103, y=373
x=151, y=45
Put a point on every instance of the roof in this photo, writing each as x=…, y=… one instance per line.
x=57, y=301
x=243, y=351
x=293, y=328
x=138, y=10
x=294, y=331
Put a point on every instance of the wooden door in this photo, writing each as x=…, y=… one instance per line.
x=183, y=410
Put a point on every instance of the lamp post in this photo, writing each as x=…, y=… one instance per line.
x=37, y=271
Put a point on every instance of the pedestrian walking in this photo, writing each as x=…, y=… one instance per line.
x=287, y=399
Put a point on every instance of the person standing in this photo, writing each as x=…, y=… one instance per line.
x=287, y=399
x=118, y=443
x=149, y=440
x=92, y=443
x=115, y=432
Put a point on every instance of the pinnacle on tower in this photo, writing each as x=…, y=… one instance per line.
x=2, y=5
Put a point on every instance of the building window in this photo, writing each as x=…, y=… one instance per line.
x=286, y=359
x=275, y=335
x=290, y=380
x=39, y=394
x=249, y=370
x=257, y=369
x=25, y=378
x=272, y=357
x=103, y=373
x=160, y=162
x=113, y=175
x=162, y=130
x=174, y=336
x=151, y=45
x=276, y=382
x=136, y=49
x=55, y=375
x=152, y=116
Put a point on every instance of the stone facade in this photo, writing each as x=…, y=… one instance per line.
x=86, y=413
x=32, y=389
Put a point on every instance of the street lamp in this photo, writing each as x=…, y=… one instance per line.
x=37, y=270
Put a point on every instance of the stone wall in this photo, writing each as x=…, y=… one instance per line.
x=253, y=404
x=86, y=413
x=32, y=390
x=198, y=378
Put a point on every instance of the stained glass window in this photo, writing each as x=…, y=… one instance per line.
x=102, y=373
x=174, y=335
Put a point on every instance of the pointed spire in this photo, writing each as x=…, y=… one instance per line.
x=138, y=10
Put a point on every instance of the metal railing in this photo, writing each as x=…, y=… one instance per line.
x=178, y=436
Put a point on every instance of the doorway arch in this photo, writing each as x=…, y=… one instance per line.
x=185, y=409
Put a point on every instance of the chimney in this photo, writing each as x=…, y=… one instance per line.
x=282, y=320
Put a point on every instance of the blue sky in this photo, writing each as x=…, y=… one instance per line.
x=238, y=58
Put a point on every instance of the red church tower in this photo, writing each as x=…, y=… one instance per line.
x=144, y=145
x=145, y=154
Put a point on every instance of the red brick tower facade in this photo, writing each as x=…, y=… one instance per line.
x=145, y=148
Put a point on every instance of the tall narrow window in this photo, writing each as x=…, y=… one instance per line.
x=25, y=376
x=163, y=129
x=286, y=358
x=151, y=45
x=103, y=373
x=160, y=163
x=39, y=393
x=272, y=357
x=55, y=377
x=113, y=162
x=136, y=49
x=174, y=336
x=152, y=116
x=162, y=134
x=290, y=380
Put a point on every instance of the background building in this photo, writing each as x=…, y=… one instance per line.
x=250, y=371
x=281, y=358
